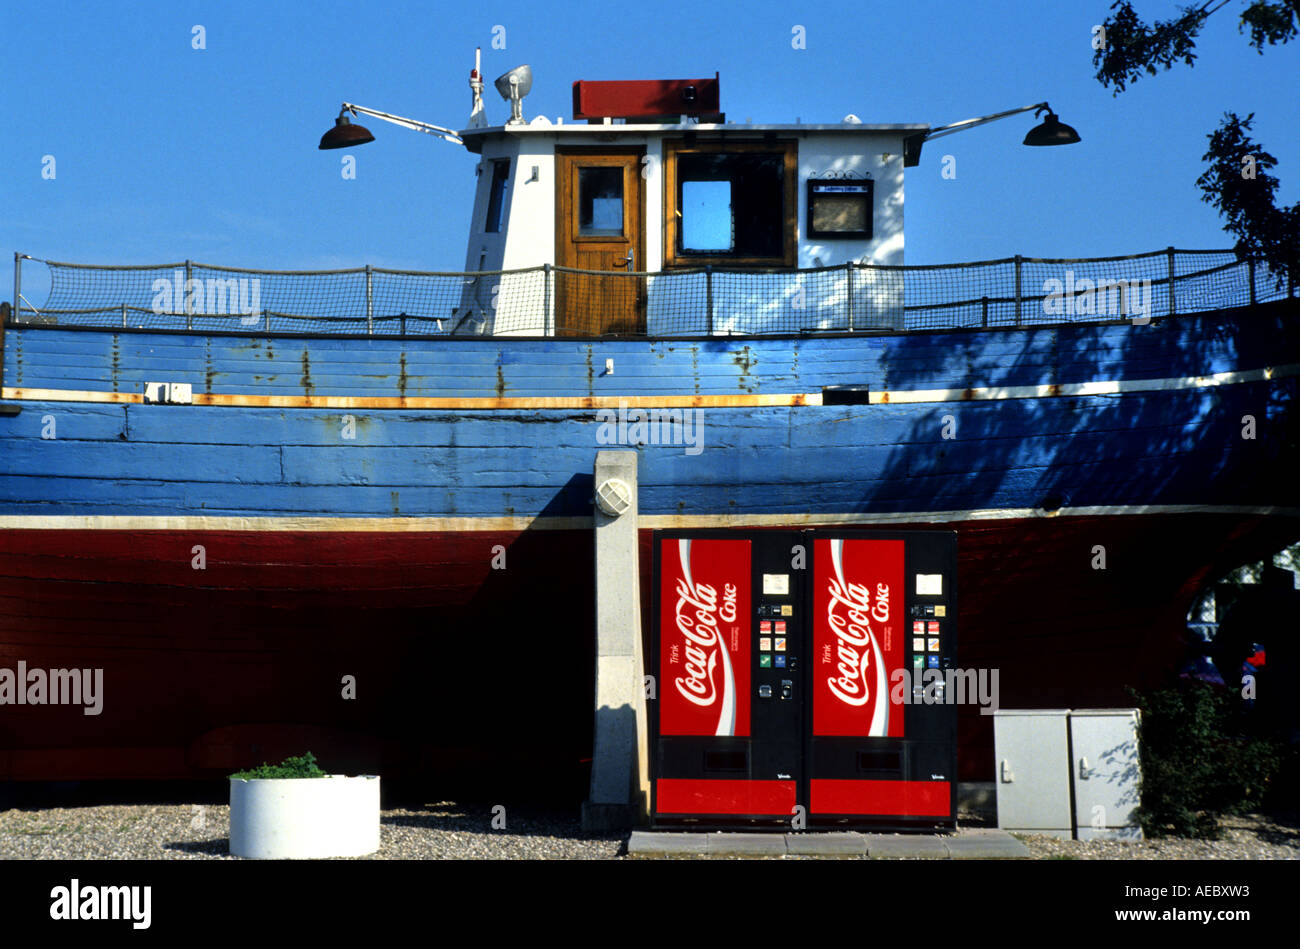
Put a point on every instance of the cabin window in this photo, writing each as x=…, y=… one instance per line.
x=730, y=204
x=497, y=196
x=600, y=201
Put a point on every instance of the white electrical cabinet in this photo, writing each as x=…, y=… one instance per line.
x=1067, y=773
x=1105, y=772
x=1033, y=770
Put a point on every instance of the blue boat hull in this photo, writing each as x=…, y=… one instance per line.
x=416, y=514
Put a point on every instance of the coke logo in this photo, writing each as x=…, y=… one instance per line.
x=854, y=637
x=728, y=612
x=698, y=613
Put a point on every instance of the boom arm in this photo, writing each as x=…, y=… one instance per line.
x=436, y=130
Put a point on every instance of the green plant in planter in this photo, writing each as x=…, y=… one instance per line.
x=303, y=766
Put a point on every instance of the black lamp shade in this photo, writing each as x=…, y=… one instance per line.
x=344, y=135
x=1052, y=131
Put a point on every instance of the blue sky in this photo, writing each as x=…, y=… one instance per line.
x=163, y=152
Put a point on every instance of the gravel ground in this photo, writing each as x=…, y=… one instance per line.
x=1251, y=837
x=464, y=831
x=201, y=831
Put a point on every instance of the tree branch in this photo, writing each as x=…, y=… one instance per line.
x=1132, y=47
x=1238, y=185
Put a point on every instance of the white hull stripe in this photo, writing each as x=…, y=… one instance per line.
x=887, y=397
x=649, y=522
x=1078, y=389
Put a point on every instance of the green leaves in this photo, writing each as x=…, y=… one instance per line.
x=1237, y=183
x=1132, y=47
x=303, y=766
x=1195, y=767
x=1271, y=23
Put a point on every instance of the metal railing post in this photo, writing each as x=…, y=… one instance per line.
x=984, y=311
x=185, y=291
x=13, y=315
x=1173, y=299
x=370, y=302
x=546, y=299
x=1019, y=260
x=1250, y=267
x=708, y=294
x=848, y=273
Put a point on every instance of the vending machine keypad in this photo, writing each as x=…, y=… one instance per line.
x=774, y=647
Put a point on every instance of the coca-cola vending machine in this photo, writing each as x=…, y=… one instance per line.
x=792, y=678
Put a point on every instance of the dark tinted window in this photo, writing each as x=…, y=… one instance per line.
x=497, y=198
x=731, y=204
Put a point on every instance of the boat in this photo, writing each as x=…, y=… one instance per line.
x=351, y=511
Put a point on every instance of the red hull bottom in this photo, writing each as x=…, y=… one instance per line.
x=431, y=653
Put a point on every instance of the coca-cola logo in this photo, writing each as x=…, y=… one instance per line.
x=853, y=635
x=698, y=614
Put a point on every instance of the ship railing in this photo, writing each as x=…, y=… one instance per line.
x=548, y=300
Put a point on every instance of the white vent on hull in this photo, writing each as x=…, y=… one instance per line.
x=168, y=393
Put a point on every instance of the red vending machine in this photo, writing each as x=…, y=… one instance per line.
x=728, y=733
x=789, y=678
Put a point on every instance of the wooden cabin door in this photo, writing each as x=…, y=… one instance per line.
x=599, y=225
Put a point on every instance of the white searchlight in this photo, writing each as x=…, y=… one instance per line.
x=513, y=86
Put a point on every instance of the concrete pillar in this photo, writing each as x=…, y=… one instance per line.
x=620, y=767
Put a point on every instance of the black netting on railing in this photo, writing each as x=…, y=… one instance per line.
x=558, y=301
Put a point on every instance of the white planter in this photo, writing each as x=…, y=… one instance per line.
x=304, y=818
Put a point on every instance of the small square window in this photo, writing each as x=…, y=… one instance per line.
x=839, y=208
